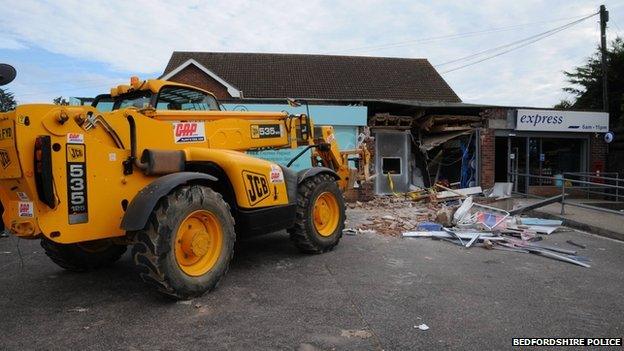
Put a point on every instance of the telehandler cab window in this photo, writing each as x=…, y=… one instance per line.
x=177, y=98
x=139, y=99
x=169, y=98
x=103, y=103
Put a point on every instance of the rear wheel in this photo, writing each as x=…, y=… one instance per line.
x=188, y=243
x=320, y=215
x=81, y=257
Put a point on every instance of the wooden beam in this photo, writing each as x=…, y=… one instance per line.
x=446, y=128
x=455, y=118
x=426, y=124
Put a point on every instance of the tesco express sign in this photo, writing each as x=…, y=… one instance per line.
x=562, y=121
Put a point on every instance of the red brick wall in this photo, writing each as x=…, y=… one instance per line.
x=487, y=146
x=486, y=168
x=597, y=153
x=192, y=75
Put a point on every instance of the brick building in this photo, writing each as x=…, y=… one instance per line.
x=422, y=131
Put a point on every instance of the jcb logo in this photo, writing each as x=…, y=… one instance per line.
x=5, y=161
x=256, y=186
x=185, y=129
x=6, y=133
x=75, y=153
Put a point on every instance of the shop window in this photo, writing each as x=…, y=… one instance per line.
x=391, y=165
x=551, y=157
x=562, y=155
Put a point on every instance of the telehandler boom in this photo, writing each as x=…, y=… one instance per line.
x=158, y=166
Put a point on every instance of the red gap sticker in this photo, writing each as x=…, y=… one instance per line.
x=189, y=132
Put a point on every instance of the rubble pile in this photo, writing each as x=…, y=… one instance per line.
x=459, y=217
x=393, y=215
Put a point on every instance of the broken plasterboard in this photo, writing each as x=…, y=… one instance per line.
x=429, y=142
x=443, y=234
x=501, y=190
x=541, y=229
x=540, y=221
x=457, y=192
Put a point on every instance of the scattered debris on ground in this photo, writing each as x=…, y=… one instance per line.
x=576, y=244
x=349, y=231
x=461, y=217
x=476, y=224
x=422, y=326
x=78, y=309
x=392, y=215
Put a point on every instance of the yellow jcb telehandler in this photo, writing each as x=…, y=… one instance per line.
x=159, y=166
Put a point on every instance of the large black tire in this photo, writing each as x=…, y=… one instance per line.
x=155, y=251
x=304, y=234
x=82, y=257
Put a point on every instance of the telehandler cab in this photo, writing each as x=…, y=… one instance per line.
x=159, y=166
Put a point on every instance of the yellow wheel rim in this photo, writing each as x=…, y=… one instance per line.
x=326, y=214
x=198, y=243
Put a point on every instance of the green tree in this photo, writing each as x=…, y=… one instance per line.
x=60, y=101
x=586, y=82
x=7, y=100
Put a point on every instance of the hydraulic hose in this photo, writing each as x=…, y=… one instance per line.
x=133, y=156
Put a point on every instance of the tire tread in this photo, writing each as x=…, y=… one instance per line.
x=299, y=233
x=152, y=244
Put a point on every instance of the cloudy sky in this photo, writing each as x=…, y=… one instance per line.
x=79, y=48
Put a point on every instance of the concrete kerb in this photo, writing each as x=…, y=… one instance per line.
x=579, y=225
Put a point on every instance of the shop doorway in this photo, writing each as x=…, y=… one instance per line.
x=501, y=154
x=518, y=162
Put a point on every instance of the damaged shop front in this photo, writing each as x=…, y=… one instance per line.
x=418, y=144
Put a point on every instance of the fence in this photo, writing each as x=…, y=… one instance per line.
x=609, y=188
x=600, y=178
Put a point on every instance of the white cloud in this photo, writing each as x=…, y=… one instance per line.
x=139, y=36
x=78, y=84
x=10, y=43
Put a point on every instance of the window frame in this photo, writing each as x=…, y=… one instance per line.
x=400, y=168
x=155, y=101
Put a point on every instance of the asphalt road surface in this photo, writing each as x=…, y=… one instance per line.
x=369, y=293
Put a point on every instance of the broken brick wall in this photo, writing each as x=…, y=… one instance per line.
x=486, y=167
x=487, y=147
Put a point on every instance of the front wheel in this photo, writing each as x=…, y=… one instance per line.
x=320, y=215
x=188, y=242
